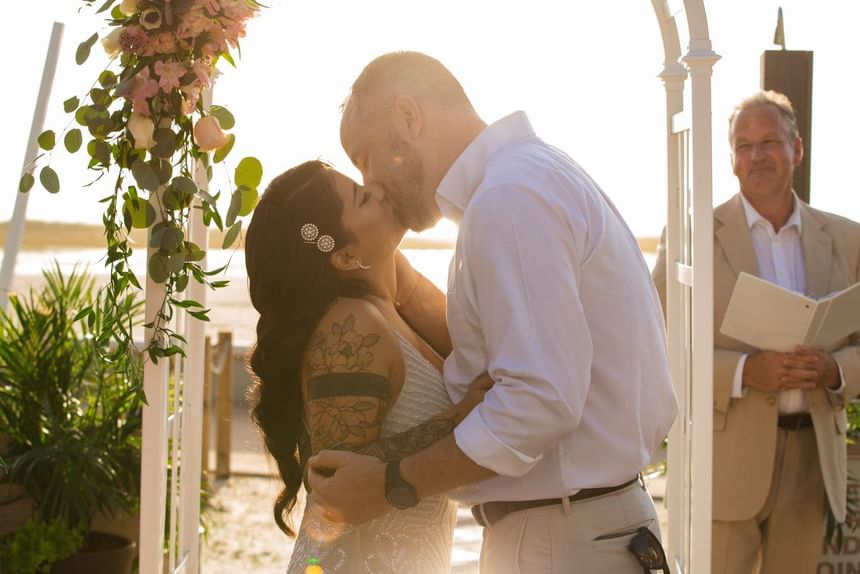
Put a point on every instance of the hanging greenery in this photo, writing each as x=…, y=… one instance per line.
x=143, y=123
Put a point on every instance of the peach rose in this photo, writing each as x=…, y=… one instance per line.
x=208, y=134
x=142, y=130
x=111, y=42
x=128, y=7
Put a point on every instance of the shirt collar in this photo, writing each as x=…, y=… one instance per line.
x=754, y=217
x=466, y=173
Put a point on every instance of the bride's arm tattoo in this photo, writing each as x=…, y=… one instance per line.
x=346, y=401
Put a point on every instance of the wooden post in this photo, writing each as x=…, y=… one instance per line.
x=207, y=406
x=224, y=404
x=790, y=72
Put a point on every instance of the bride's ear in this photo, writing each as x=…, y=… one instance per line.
x=408, y=118
x=342, y=260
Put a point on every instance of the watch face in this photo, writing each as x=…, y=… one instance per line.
x=401, y=497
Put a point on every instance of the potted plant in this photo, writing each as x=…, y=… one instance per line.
x=70, y=417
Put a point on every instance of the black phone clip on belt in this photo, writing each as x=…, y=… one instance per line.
x=648, y=551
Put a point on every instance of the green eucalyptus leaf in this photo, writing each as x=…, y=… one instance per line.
x=171, y=238
x=225, y=118
x=26, y=183
x=193, y=252
x=73, y=140
x=47, y=140
x=101, y=97
x=139, y=212
x=83, y=51
x=247, y=200
x=249, y=172
x=105, y=6
x=175, y=262
x=162, y=168
x=71, y=104
x=233, y=210
x=107, y=79
x=225, y=149
x=181, y=283
x=232, y=235
x=165, y=143
x=144, y=175
x=157, y=267
x=50, y=180
x=100, y=151
x=184, y=184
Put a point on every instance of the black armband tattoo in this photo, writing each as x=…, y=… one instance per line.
x=348, y=384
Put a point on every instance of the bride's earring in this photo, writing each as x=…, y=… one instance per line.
x=360, y=264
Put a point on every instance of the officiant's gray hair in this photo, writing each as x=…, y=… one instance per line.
x=403, y=73
x=767, y=97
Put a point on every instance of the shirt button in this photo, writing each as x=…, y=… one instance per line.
x=771, y=401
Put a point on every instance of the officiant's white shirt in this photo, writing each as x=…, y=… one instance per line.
x=549, y=293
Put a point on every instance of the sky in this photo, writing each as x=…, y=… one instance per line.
x=585, y=72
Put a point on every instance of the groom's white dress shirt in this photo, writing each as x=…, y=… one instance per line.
x=549, y=293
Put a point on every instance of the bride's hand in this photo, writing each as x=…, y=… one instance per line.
x=475, y=393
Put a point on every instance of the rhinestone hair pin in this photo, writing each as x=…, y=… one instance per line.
x=311, y=234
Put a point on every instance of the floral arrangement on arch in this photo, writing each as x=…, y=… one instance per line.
x=147, y=127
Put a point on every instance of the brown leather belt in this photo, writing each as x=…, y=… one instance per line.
x=489, y=513
x=795, y=421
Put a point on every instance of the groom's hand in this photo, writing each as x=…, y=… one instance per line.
x=349, y=487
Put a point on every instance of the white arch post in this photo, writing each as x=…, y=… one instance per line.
x=689, y=256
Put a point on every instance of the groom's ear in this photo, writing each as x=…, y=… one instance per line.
x=408, y=117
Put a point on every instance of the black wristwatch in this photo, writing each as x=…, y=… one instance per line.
x=399, y=493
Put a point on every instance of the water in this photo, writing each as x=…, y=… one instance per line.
x=433, y=263
x=230, y=307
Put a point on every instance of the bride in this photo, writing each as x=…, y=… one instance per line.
x=337, y=366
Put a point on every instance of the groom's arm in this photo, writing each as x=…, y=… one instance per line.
x=422, y=305
x=351, y=487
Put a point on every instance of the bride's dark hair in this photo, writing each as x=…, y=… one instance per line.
x=292, y=284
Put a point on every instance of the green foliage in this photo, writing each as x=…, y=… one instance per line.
x=34, y=547
x=155, y=169
x=70, y=403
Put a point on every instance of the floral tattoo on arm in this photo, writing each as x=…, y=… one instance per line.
x=346, y=402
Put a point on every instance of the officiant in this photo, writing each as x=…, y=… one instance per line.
x=779, y=418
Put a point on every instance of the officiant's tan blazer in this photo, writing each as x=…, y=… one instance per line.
x=745, y=429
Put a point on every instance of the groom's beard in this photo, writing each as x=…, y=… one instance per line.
x=414, y=211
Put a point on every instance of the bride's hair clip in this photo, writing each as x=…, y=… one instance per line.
x=311, y=234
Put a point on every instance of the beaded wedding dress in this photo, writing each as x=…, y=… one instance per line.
x=412, y=541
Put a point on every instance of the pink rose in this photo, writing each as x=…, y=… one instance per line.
x=142, y=129
x=208, y=134
x=164, y=43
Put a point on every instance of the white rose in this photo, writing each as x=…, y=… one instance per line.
x=208, y=134
x=142, y=130
x=111, y=42
x=128, y=7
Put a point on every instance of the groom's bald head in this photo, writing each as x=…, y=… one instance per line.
x=411, y=74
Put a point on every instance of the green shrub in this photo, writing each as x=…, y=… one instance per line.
x=35, y=546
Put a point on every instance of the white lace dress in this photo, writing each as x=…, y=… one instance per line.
x=412, y=541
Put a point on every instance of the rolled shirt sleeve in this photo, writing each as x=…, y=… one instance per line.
x=524, y=285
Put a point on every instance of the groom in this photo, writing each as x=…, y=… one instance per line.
x=549, y=294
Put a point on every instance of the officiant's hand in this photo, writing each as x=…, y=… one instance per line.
x=814, y=366
x=770, y=371
x=349, y=487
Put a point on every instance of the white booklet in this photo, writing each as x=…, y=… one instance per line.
x=772, y=318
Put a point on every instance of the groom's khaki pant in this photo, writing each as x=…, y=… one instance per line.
x=587, y=537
